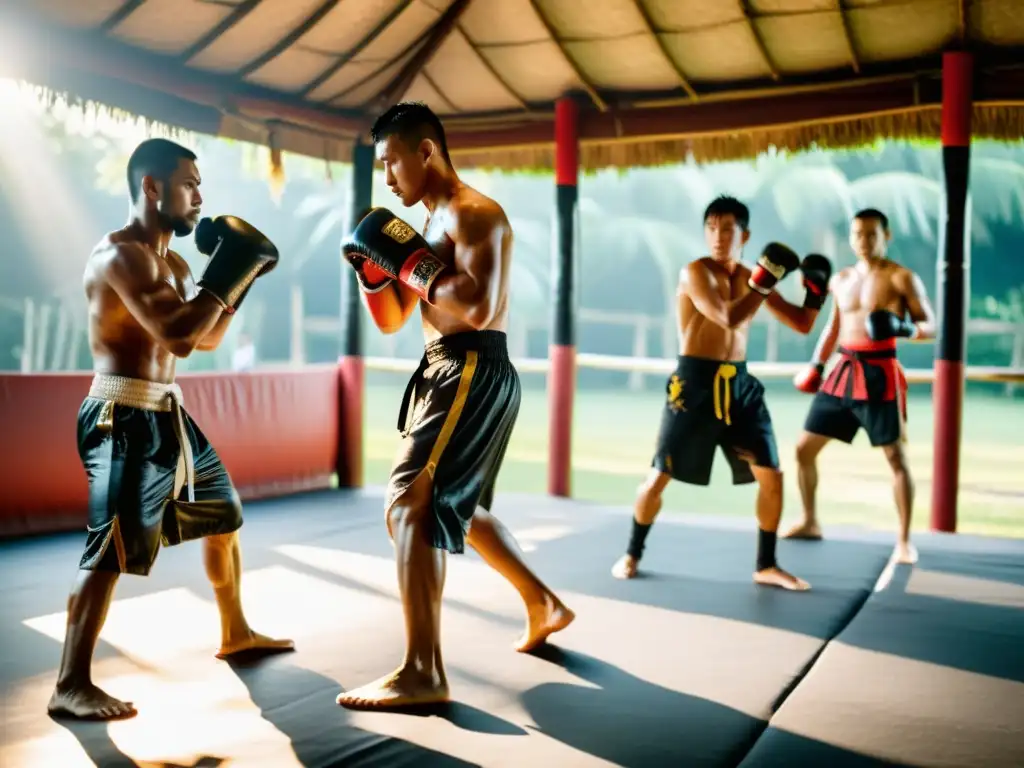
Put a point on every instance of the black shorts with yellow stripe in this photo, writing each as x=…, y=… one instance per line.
x=711, y=404
x=456, y=420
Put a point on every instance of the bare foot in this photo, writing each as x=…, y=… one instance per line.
x=905, y=553
x=804, y=531
x=542, y=620
x=625, y=567
x=405, y=687
x=254, y=641
x=88, y=703
x=776, y=577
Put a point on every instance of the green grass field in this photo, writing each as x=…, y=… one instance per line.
x=614, y=438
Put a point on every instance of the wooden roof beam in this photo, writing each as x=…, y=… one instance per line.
x=376, y=71
x=90, y=53
x=748, y=14
x=238, y=13
x=707, y=117
x=359, y=47
x=436, y=87
x=588, y=87
x=494, y=72
x=120, y=15
x=288, y=40
x=680, y=75
x=848, y=34
x=434, y=40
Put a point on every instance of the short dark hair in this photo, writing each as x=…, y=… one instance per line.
x=158, y=158
x=412, y=122
x=723, y=205
x=873, y=213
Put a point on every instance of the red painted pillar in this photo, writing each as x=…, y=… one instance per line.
x=562, y=376
x=349, y=464
x=948, y=393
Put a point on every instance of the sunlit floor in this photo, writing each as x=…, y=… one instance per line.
x=692, y=665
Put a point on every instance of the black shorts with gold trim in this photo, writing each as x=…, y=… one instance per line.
x=456, y=420
x=711, y=404
x=131, y=460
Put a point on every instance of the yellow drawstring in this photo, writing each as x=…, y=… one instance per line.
x=724, y=374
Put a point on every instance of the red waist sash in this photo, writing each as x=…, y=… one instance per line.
x=848, y=378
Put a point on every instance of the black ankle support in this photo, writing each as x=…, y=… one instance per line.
x=765, y=549
x=637, y=539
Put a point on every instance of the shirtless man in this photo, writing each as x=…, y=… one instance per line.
x=460, y=406
x=867, y=387
x=153, y=477
x=712, y=400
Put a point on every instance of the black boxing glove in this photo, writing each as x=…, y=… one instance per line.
x=883, y=324
x=385, y=240
x=775, y=263
x=817, y=271
x=239, y=253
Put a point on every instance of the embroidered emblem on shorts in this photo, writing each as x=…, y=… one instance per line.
x=675, y=394
x=399, y=231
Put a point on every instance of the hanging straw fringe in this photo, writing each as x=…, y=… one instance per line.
x=997, y=122
x=58, y=100
x=1002, y=123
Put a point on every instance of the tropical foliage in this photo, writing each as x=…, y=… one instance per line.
x=636, y=229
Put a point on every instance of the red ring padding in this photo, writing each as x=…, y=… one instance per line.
x=277, y=433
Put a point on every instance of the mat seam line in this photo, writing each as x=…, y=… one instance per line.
x=802, y=674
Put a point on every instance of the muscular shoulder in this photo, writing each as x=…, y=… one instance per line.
x=844, y=274
x=178, y=265
x=124, y=264
x=902, y=276
x=475, y=216
x=697, y=268
x=119, y=254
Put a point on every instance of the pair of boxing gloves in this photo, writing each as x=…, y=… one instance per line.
x=777, y=261
x=383, y=248
x=880, y=325
x=238, y=253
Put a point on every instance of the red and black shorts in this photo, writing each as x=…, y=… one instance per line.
x=866, y=388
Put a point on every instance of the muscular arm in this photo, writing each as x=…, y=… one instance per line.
x=213, y=339
x=176, y=325
x=473, y=290
x=800, y=319
x=829, y=336
x=919, y=308
x=709, y=302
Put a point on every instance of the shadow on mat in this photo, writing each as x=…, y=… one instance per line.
x=781, y=749
x=665, y=727
x=101, y=749
x=300, y=704
x=467, y=718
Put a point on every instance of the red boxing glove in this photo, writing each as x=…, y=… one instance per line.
x=809, y=380
x=373, y=278
x=775, y=263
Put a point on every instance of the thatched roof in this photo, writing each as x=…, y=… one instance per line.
x=657, y=79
